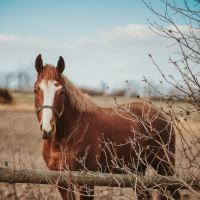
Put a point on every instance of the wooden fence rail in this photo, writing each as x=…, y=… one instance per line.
x=11, y=175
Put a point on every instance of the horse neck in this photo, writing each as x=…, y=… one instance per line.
x=66, y=122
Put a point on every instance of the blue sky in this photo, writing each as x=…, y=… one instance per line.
x=66, y=19
x=105, y=41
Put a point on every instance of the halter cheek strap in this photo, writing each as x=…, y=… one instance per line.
x=50, y=107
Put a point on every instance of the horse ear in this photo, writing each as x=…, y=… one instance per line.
x=39, y=64
x=61, y=65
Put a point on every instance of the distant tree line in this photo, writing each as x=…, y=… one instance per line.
x=21, y=80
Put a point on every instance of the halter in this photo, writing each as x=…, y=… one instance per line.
x=50, y=107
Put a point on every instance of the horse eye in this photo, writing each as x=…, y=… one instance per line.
x=35, y=92
x=62, y=93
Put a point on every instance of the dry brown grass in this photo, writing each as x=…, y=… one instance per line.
x=19, y=131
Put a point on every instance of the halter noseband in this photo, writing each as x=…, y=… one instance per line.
x=50, y=107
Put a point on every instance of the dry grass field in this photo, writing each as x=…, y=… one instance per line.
x=21, y=143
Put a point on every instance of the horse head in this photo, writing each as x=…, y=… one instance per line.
x=49, y=98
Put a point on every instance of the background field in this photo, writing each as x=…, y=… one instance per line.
x=20, y=142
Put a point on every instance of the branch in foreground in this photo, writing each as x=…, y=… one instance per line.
x=11, y=175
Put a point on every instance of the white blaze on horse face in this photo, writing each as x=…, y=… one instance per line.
x=49, y=91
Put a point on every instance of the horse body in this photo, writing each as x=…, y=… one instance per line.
x=83, y=127
x=79, y=134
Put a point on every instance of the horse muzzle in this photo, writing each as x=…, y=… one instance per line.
x=47, y=135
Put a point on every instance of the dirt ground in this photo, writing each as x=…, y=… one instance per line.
x=21, y=143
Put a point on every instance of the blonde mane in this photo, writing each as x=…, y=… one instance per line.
x=79, y=101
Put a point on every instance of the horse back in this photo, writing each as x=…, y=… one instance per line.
x=131, y=128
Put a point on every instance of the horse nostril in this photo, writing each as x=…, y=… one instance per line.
x=41, y=127
x=53, y=128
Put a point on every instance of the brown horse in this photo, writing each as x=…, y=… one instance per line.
x=69, y=119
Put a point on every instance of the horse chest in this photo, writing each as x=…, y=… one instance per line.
x=57, y=155
x=52, y=155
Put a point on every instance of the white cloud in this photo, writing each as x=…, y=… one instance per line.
x=117, y=65
x=130, y=33
x=182, y=28
x=133, y=37
x=7, y=38
x=118, y=53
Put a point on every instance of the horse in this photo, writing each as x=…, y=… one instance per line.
x=71, y=124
